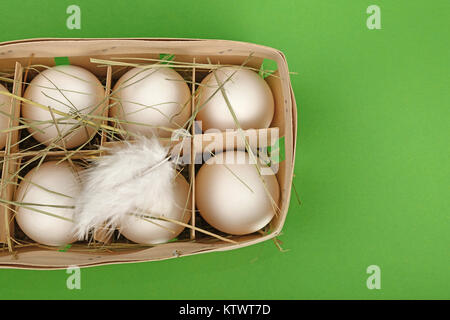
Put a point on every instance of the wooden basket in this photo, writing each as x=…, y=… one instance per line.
x=16, y=55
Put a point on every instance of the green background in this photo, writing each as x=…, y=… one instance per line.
x=372, y=166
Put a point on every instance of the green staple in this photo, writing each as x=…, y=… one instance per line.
x=166, y=57
x=61, y=61
x=67, y=247
x=277, y=157
x=267, y=68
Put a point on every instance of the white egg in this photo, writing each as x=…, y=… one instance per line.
x=5, y=104
x=154, y=231
x=149, y=98
x=69, y=89
x=49, y=184
x=249, y=95
x=232, y=197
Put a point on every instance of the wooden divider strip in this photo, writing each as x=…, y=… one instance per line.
x=231, y=140
x=10, y=163
x=107, y=101
x=104, y=235
x=192, y=164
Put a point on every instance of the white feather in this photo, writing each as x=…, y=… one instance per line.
x=137, y=179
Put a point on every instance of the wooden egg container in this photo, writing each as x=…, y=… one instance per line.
x=16, y=55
